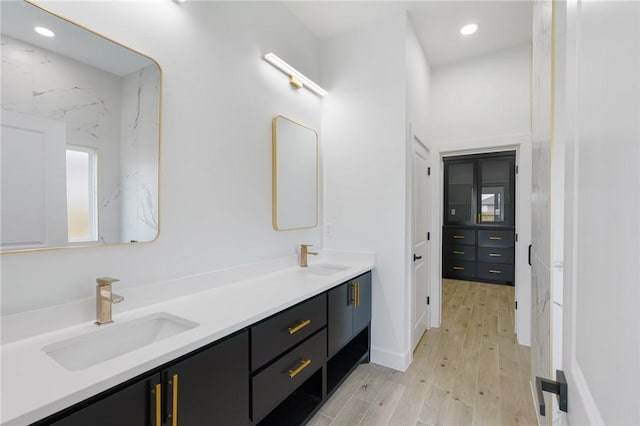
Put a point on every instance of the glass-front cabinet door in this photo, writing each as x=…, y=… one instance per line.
x=480, y=189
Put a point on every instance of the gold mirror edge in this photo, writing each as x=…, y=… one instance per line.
x=160, y=97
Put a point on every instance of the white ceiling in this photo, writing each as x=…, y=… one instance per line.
x=502, y=23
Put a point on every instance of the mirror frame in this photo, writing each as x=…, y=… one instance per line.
x=274, y=173
x=98, y=244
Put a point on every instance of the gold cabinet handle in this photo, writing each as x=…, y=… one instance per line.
x=495, y=271
x=357, y=284
x=459, y=237
x=495, y=255
x=157, y=393
x=458, y=252
x=495, y=238
x=303, y=364
x=479, y=218
x=352, y=296
x=458, y=268
x=303, y=324
x=174, y=400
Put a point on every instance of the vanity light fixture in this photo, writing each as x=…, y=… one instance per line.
x=44, y=31
x=468, y=29
x=296, y=78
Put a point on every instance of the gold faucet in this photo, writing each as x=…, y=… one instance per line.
x=105, y=299
x=304, y=252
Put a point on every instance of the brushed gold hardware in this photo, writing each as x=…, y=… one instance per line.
x=495, y=255
x=459, y=237
x=303, y=364
x=174, y=400
x=479, y=218
x=352, y=296
x=303, y=324
x=304, y=254
x=295, y=83
x=495, y=271
x=105, y=299
x=357, y=284
x=157, y=391
x=495, y=238
x=458, y=252
x=458, y=268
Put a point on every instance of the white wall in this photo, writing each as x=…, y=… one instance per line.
x=482, y=97
x=483, y=104
x=364, y=154
x=219, y=96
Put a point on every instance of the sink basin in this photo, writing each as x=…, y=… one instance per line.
x=324, y=269
x=116, y=339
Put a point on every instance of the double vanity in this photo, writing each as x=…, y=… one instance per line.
x=262, y=349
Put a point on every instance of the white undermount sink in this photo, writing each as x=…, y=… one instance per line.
x=115, y=339
x=324, y=269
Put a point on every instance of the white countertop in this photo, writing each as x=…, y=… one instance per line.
x=35, y=386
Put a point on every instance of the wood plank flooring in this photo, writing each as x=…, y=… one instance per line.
x=470, y=371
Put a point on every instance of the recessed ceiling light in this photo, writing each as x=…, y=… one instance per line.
x=44, y=31
x=468, y=29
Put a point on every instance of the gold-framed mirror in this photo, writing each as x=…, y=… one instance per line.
x=295, y=175
x=80, y=135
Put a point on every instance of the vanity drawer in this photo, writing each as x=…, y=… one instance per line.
x=280, y=379
x=459, y=269
x=495, y=272
x=283, y=331
x=495, y=238
x=459, y=252
x=459, y=236
x=495, y=255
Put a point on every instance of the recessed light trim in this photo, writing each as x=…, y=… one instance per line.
x=468, y=29
x=46, y=32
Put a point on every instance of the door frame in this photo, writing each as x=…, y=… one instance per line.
x=521, y=143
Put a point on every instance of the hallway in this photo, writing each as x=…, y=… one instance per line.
x=468, y=371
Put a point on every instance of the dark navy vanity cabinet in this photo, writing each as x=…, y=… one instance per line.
x=278, y=371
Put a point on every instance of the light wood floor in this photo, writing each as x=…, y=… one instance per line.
x=470, y=371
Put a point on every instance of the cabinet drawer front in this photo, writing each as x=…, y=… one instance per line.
x=495, y=272
x=459, y=252
x=495, y=238
x=283, y=331
x=275, y=383
x=458, y=269
x=459, y=236
x=495, y=255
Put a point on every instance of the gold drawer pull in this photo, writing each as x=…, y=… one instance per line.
x=495, y=238
x=495, y=255
x=357, y=284
x=458, y=268
x=495, y=271
x=157, y=392
x=458, y=252
x=174, y=400
x=459, y=237
x=299, y=327
x=303, y=364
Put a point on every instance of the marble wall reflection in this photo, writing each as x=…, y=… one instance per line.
x=116, y=115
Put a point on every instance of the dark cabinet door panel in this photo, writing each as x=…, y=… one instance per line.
x=459, y=236
x=362, y=303
x=459, y=252
x=495, y=255
x=133, y=405
x=212, y=386
x=276, y=382
x=490, y=238
x=340, y=321
x=274, y=336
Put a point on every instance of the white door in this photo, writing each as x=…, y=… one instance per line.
x=33, y=182
x=420, y=243
x=601, y=335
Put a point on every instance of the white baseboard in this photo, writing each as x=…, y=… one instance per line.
x=394, y=360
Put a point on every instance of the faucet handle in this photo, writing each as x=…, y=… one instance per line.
x=306, y=245
x=106, y=281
